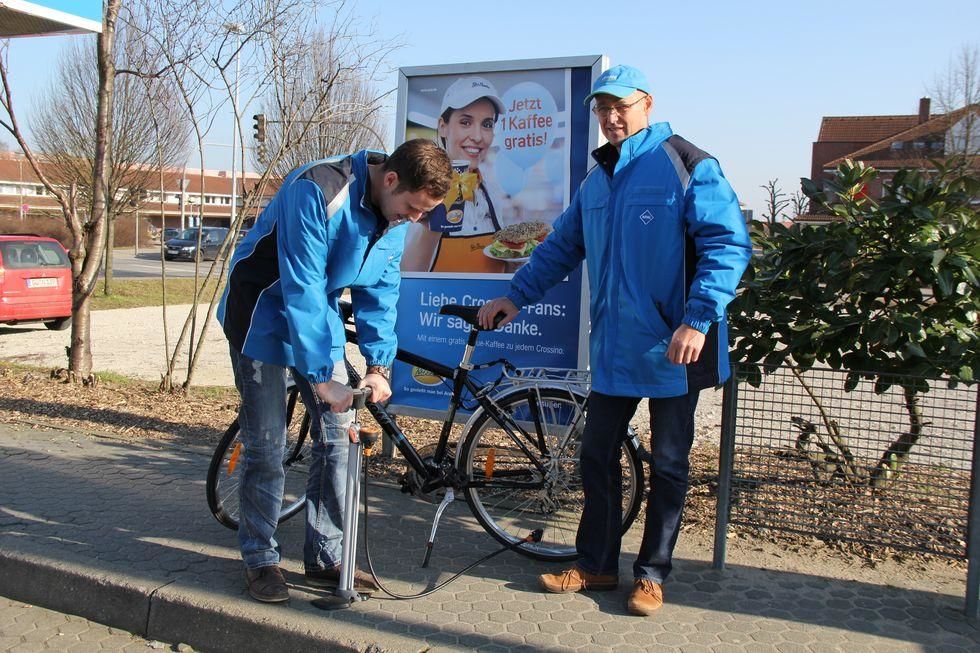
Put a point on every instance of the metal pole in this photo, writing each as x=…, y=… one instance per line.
x=352, y=497
x=973, y=525
x=726, y=457
x=136, y=241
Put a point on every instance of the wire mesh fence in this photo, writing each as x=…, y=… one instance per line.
x=884, y=469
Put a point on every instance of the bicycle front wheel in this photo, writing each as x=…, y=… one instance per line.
x=224, y=472
x=522, y=472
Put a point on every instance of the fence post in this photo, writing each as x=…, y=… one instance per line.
x=726, y=458
x=973, y=525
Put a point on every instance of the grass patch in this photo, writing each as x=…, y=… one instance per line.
x=134, y=293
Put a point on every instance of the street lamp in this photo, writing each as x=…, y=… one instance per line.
x=237, y=29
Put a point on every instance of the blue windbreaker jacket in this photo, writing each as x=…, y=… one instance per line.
x=665, y=243
x=318, y=236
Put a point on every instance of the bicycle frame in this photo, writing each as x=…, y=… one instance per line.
x=436, y=474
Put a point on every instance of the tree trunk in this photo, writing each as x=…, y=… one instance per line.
x=898, y=452
x=80, y=351
x=80, y=356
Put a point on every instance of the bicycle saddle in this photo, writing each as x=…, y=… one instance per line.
x=468, y=314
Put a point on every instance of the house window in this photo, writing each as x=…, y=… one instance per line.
x=919, y=145
x=897, y=145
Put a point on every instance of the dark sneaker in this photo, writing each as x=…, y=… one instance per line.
x=267, y=584
x=363, y=583
x=646, y=598
x=576, y=580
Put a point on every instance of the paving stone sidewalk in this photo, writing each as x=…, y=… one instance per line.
x=119, y=532
x=25, y=627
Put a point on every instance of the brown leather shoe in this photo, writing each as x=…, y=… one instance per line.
x=363, y=582
x=576, y=580
x=267, y=584
x=646, y=598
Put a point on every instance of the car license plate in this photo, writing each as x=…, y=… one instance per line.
x=42, y=283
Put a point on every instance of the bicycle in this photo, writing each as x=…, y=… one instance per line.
x=224, y=471
x=517, y=459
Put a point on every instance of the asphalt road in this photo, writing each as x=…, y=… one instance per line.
x=146, y=265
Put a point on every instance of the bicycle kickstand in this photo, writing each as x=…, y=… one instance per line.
x=446, y=500
x=345, y=595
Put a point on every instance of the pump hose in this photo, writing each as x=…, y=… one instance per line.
x=533, y=536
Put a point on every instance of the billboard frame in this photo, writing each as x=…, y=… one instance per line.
x=597, y=64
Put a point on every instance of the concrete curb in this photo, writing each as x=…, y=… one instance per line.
x=178, y=612
x=108, y=598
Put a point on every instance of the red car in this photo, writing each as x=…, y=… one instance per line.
x=35, y=281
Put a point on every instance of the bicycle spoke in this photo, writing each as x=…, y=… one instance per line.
x=511, y=491
x=228, y=461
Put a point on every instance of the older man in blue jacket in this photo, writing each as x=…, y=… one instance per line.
x=665, y=245
x=334, y=224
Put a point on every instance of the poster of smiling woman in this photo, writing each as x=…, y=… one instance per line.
x=519, y=139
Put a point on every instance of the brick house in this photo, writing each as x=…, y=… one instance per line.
x=889, y=143
x=27, y=207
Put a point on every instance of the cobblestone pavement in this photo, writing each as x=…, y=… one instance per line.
x=25, y=627
x=119, y=532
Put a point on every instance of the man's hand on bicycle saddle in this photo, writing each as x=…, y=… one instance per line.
x=380, y=388
x=490, y=310
x=338, y=396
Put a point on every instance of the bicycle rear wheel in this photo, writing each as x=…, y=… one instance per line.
x=224, y=472
x=530, y=478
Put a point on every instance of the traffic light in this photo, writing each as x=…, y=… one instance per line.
x=260, y=152
x=259, y=127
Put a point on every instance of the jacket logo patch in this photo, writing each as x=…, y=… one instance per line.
x=646, y=216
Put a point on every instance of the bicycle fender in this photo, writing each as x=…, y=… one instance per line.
x=498, y=398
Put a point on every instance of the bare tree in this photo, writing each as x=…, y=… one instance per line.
x=88, y=228
x=64, y=127
x=958, y=87
x=776, y=202
x=799, y=203
x=207, y=49
x=318, y=105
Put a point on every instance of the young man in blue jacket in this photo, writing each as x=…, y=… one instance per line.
x=335, y=224
x=665, y=245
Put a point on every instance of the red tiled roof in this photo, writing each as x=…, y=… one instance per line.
x=862, y=129
x=933, y=125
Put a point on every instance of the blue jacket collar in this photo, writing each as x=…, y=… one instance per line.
x=361, y=161
x=636, y=145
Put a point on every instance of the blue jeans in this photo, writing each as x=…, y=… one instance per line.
x=599, y=537
x=262, y=419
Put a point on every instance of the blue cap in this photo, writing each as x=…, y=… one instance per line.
x=619, y=81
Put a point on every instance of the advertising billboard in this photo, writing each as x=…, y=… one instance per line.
x=519, y=138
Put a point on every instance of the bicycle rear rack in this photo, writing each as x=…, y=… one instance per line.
x=550, y=377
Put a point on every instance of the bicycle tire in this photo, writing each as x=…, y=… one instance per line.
x=522, y=498
x=224, y=472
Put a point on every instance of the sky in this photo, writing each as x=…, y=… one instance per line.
x=746, y=81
